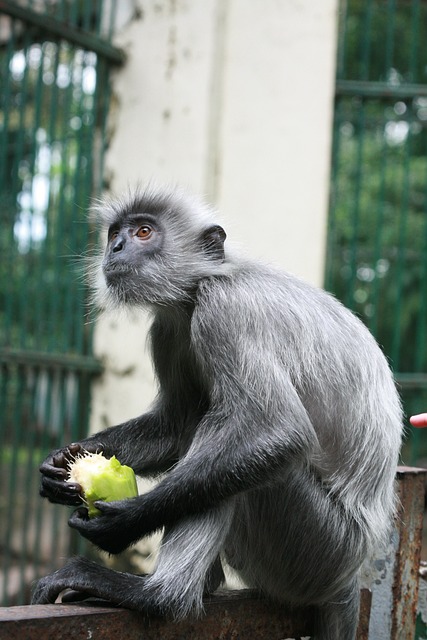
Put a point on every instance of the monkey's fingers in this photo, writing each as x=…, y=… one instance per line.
x=49, y=588
x=71, y=595
x=109, y=533
x=45, y=592
x=79, y=518
x=61, y=492
x=56, y=464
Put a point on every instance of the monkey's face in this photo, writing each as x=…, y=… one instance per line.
x=157, y=251
x=129, y=265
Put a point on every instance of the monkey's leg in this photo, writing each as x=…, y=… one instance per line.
x=215, y=575
x=306, y=549
x=188, y=566
x=338, y=620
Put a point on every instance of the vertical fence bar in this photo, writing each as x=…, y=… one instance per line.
x=60, y=242
x=41, y=97
x=19, y=151
x=53, y=213
x=396, y=341
x=366, y=41
x=45, y=445
x=379, y=228
x=355, y=214
x=6, y=91
x=389, y=48
x=112, y=20
x=415, y=31
x=31, y=155
x=12, y=507
x=5, y=180
x=28, y=466
x=332, y=227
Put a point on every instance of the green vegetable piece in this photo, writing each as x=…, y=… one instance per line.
x=102, y=479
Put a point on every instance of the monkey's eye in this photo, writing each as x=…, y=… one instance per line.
x=113, y=235
x=144, y=232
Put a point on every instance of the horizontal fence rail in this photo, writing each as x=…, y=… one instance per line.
x=63, y=30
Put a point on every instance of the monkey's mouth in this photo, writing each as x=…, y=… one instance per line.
x=116, y=272
x=125, y=284
x=116, y=276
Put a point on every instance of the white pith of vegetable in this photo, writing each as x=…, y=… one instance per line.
x=101, y=479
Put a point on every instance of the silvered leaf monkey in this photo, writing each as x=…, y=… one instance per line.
x=277, y=426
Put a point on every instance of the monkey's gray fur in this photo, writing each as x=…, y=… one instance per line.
x=277, y=421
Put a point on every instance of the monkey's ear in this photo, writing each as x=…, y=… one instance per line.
x=212, y=240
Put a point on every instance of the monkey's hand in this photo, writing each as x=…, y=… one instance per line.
x=54, y=470
x=112, y=531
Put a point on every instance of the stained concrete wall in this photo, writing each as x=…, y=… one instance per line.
x=233, y=99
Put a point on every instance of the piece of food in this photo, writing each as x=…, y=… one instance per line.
x=420, y=420
x=101, y=479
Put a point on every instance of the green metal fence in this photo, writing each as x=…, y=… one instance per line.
x=377, y=251
x=54, y=64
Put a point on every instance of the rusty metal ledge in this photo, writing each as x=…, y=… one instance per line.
x=229, y=615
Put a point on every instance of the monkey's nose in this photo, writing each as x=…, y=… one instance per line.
x=118, y=244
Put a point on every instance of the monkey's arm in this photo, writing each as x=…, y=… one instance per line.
x=143, y=444
x=232, y=452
